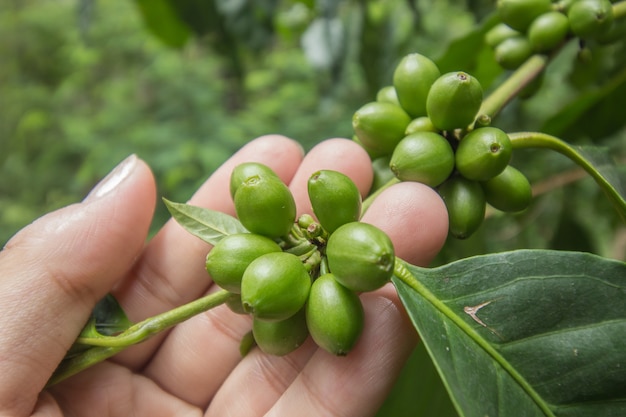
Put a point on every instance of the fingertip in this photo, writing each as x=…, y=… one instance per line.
x=414, y=217
x=283, y=155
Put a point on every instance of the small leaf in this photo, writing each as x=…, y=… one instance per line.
x=107, y=319
x=525, y=333
x=209, y=225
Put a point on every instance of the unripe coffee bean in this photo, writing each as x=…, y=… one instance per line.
x=265, y=206
x=420, y=124
x=275, y=286
x=380, y=126
x=519, y=14
x=412, y=80
x=382, y=173
x=509, y=191
x=548, y=31
x=454, y=100
x=499, y=33
x=483, y=153
x=388, y=94
x=425, y=157
x=280, y=337
x=465, y=201
x=230, y=257
x=361, y=256
x=589, y=19
x=513, y=52
x=334, y=315
x=335, y=199
x=246, y=170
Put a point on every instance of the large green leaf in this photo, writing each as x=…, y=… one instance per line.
x=418, y=390
x=525, y=333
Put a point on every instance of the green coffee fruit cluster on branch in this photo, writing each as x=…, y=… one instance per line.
x=300, y=277
x=423, y=126
x=541, y=26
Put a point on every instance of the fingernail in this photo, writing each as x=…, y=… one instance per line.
x=113, y=179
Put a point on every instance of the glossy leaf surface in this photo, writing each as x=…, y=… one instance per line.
x=525, y=333
x=209, y=225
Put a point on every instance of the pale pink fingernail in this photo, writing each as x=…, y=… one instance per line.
x=113, y=179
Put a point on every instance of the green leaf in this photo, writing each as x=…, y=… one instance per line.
x=470, y=53
x=107, y=319
x=209, y=225
x=524, y=333
x=162, y=20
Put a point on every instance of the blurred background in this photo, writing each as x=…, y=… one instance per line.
x=184, y=84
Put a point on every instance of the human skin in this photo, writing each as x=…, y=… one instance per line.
x=56, y=269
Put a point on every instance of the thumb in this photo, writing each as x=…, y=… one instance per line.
x=54, y=271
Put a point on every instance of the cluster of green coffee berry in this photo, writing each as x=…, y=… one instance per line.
x=300, y=276
x=424, y=126
x=540, y=26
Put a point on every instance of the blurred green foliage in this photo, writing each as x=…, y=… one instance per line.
x=82, y=88
x=186, y=83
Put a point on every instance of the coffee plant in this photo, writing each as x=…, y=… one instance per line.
x=518, y=333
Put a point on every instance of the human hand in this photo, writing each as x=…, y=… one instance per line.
x=55, y=270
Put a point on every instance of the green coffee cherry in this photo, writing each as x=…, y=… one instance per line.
x=465, y=201
x=412, y=80
x=265, y=206
x=454, y=100
x=382, y=173
x=614, y=33
x=372, y=153
x=509, y=191
x=334, y=315
x=380, y=126
x=589, y=19
x=388, y=94
x=281, y=337
x=548, y=31
x=230, y=257
x=520, y=13
x=275, y=286
x=246, y=170
x=235, y=305
x=425, y=157
x=483, y=153
x=512, y=52
x=335, y=199
x=361, y=256
x=499, y=33
x=420, y=124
